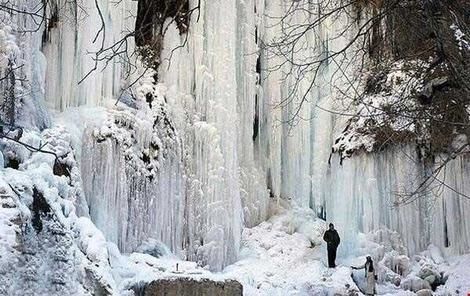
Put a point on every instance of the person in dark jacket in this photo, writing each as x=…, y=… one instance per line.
x=332, y=240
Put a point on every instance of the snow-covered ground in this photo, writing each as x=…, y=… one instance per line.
x=282, y=256
x=285, y=256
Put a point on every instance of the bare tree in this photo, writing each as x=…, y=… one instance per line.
x=35, y=18
x=431, y=47
x=8, y=128
x=34, y=12
x=154, y=17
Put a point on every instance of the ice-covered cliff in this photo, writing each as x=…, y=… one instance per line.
x=192, y=152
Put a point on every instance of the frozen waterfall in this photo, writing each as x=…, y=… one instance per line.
x=213, y=150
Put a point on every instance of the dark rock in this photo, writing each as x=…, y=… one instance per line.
x=424, y=292
x=12, y=163
x=40, y=208
x=431, y=87
x=60, y=168
x=189, y=287
x=151, y=14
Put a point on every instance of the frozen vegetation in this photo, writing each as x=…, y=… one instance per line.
x=189, y=171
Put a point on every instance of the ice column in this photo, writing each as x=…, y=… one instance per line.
x=74, y=33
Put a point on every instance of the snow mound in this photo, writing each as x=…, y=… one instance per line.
x=283, y=256
x=388, y=105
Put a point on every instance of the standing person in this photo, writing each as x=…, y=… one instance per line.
x=370, y=276
x=332, y=240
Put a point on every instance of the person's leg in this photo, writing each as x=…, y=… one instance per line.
x=334, y=257
x=331, y=260
x=328, y=249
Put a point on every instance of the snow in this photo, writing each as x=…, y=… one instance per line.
x=8, y=47
x=42, y=257
x=135, y=152
x=283, y=256
x=92, y=241
x=393, y=106
x=70, y=53
x=458, y=274
x=460, y=37
x=137, y=269
x=196, y=177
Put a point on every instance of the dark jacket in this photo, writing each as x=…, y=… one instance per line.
x=331, y=237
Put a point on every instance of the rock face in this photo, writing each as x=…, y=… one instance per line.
x=424, y=292
x=190, y=287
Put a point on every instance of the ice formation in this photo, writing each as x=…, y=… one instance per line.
x=191, y=160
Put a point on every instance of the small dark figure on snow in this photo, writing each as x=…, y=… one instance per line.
x=332, y=240
x=370, y=275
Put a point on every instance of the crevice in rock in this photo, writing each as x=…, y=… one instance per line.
x=256, y=120
x=150, y=26
x=12, y=162
x=40, y=209
x=60, y=168
x=446, y=234
x=51, y=20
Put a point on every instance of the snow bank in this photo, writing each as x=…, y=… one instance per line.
x=283, y=256
x=458, y=277
x=50, y=250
